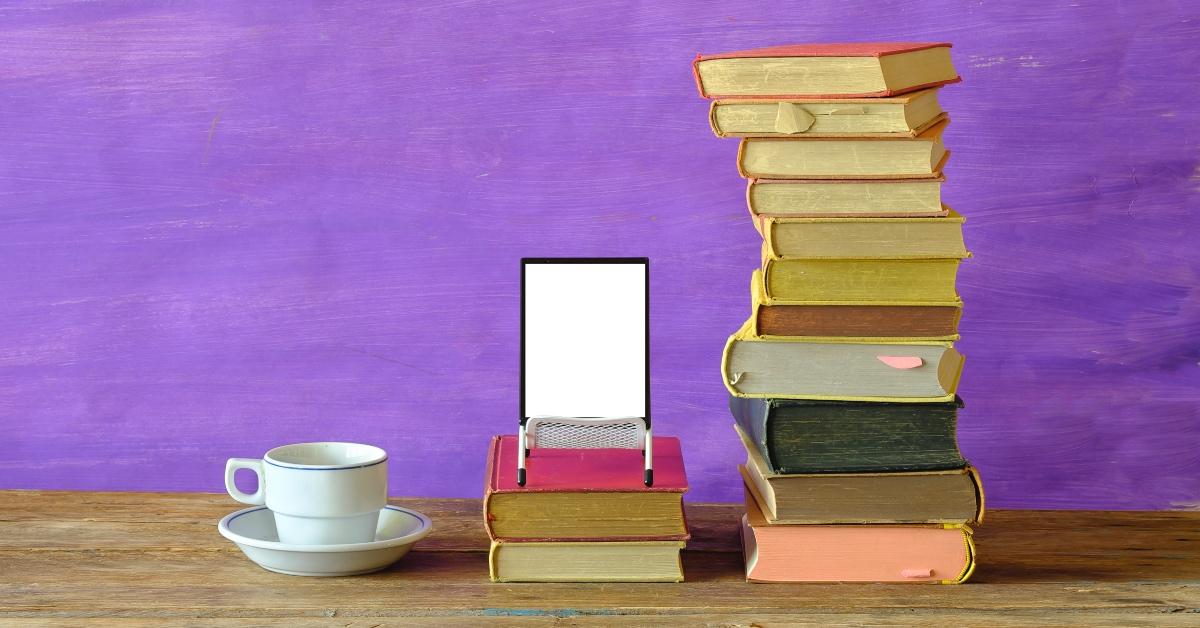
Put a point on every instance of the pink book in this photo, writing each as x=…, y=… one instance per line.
x=845, y=70
x=585, y=494
x=936, y=554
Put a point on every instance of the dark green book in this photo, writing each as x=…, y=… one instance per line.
x=812, y=436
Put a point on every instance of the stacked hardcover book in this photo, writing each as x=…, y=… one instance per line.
x=843, y=379
x=584, y=515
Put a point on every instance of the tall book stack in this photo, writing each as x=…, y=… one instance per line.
x=843, y=379
x=584, y=515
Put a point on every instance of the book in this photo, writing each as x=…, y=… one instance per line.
x=832, y=70
x=821, y=436
x=565, y=561
x=930, y=554
x=846, y=369
x=863, y=237
x=897, y=198
x=777, y=317
x=929, y=280
x=917, y=157
x=585, y=494
x=910, y=280
x=949, y=496
x=905, y=115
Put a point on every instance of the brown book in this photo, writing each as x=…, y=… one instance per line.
x=952, y=496
x=798, y=318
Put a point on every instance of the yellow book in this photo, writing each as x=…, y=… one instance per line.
x=851, y=369
x=863, y=238
x=586, y=561
x=928, y=280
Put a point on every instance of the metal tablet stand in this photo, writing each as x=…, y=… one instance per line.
x=586, y=432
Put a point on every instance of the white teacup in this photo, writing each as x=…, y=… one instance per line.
x=320, y=493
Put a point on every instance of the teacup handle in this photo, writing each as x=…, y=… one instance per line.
x=253, y=464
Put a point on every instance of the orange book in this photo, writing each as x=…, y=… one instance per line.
x=934, y=554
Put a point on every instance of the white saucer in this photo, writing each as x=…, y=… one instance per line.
x=253, y=530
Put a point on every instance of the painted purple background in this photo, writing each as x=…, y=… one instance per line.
x=231, y=225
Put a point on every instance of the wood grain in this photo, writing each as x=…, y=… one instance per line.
x=145, y=557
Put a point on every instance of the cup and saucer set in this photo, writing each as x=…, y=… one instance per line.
x=320, y=510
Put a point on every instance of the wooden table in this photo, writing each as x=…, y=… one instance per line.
x=131, y=559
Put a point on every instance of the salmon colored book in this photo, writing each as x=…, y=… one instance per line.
x=929, y=554
x=585, y=494
x=844, y=70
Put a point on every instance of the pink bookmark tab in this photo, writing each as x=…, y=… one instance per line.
x=901, y=361
x=916, y=573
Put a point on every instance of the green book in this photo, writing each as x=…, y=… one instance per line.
x=815, y=436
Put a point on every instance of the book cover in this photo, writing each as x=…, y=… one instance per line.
x=816, y=436
x=585, y=494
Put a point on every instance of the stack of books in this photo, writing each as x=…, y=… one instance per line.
x=843, y=379
x=584, y=515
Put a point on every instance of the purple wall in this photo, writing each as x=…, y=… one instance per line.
x=228, y=225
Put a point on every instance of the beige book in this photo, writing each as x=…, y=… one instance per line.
x=833, y=70
x=949, y=496
x=601, y=561
x=863, y=237
x=850, y=369
x=853, y=158
x=846, y=197
x=903, y=116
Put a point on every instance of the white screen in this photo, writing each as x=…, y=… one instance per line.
x=585, y=340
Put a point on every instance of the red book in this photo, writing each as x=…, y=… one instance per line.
x=847, y=70
x=585, y=494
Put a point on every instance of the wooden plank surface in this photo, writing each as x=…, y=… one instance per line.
x=135, y=558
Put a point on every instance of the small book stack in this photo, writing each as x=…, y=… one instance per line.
x=843, y=379
x=584, y=515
